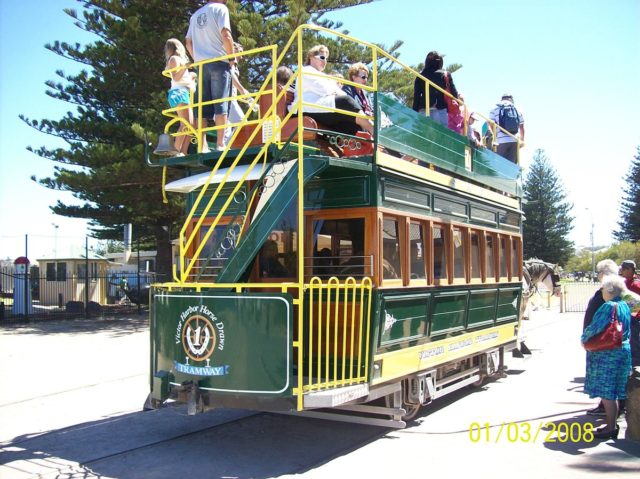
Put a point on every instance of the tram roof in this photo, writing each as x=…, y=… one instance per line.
x=192, y=183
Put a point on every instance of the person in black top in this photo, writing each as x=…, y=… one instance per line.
x=603, y=268
x=433, y=72
x=594, y=303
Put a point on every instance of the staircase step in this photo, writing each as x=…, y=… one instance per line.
x=335, y=397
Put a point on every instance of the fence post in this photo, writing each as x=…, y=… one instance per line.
x=562, y=299
x=548, y=300
x=139, y=301
x=26, y=278
x=86, y=277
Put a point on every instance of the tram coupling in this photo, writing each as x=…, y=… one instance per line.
x=188, y=393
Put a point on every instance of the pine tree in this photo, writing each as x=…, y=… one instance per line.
x=118, y=98
x=547, y=214
x=630, y=208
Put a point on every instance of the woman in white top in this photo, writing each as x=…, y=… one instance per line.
x=323, y=90
x=182, y=83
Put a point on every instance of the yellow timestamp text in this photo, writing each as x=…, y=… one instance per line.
x=526, y=432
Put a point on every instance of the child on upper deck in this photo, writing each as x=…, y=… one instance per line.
x=182, y=84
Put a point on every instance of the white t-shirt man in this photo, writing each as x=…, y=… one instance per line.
x=205, y=31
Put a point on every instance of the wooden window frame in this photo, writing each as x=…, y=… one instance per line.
x=516, y=258
x=402, y=241
x=503, y=237
x=480, y=278
x=486, y=277
x=465, y=259
x=446, y=233
x=370, y=244
x=425, y=252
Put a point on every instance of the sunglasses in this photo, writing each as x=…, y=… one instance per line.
x=322, y=57
x=364, y=77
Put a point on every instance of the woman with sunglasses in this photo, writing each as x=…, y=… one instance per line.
x=321, y=89
x=359, y=73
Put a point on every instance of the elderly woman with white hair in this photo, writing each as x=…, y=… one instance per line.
x=608, y=370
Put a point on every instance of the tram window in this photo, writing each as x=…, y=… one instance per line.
x=458, y=254
x=416, y=242
x=515, y=270
x=390, y=249
x=278, y=258
x=216, y=250
x=439, y=253
x=475, y=255
x=503, y=257
x=338, y=248
x=490, y=257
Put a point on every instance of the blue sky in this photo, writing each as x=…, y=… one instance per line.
x=571, y=65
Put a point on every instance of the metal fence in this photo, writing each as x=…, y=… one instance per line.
x=576, y=295
x=35, y=295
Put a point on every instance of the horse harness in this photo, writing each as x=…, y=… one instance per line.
x=533, y=285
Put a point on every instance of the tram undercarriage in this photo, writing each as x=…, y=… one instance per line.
x=386, y=405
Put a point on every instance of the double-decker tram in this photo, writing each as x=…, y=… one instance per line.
x=353, y=277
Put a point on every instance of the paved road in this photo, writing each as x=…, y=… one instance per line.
x=71, y=393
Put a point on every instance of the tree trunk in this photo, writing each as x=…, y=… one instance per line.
x=163, y=253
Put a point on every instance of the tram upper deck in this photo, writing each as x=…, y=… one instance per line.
x=408, y=151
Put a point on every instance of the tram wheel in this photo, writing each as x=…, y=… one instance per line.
x=150, y=404
x=412, y=409
x=480, y=382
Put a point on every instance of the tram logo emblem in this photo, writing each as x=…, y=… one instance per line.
x=199, y=337
x=200, y=333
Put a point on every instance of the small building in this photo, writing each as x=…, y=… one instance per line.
x=65, y=279
x=127, y=261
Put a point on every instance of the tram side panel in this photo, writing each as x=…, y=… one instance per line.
x=431, y=329
x=229, y=345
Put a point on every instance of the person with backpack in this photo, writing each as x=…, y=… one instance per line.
x=509, y=119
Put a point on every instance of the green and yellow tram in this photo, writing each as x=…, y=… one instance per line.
x=349, y=277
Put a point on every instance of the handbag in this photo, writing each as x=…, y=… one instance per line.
x=455, y=117
x=610, y=338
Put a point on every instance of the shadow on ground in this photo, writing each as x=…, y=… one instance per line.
x=158, y=444
x=119, y=325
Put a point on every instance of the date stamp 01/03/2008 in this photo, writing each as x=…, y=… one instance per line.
x=526, y=432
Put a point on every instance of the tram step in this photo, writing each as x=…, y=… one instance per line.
x=335, y=397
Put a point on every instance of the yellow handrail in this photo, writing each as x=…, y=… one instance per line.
x=339, y=324
x=184, y=245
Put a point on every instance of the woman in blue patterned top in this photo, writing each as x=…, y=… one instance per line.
x=607, y=371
